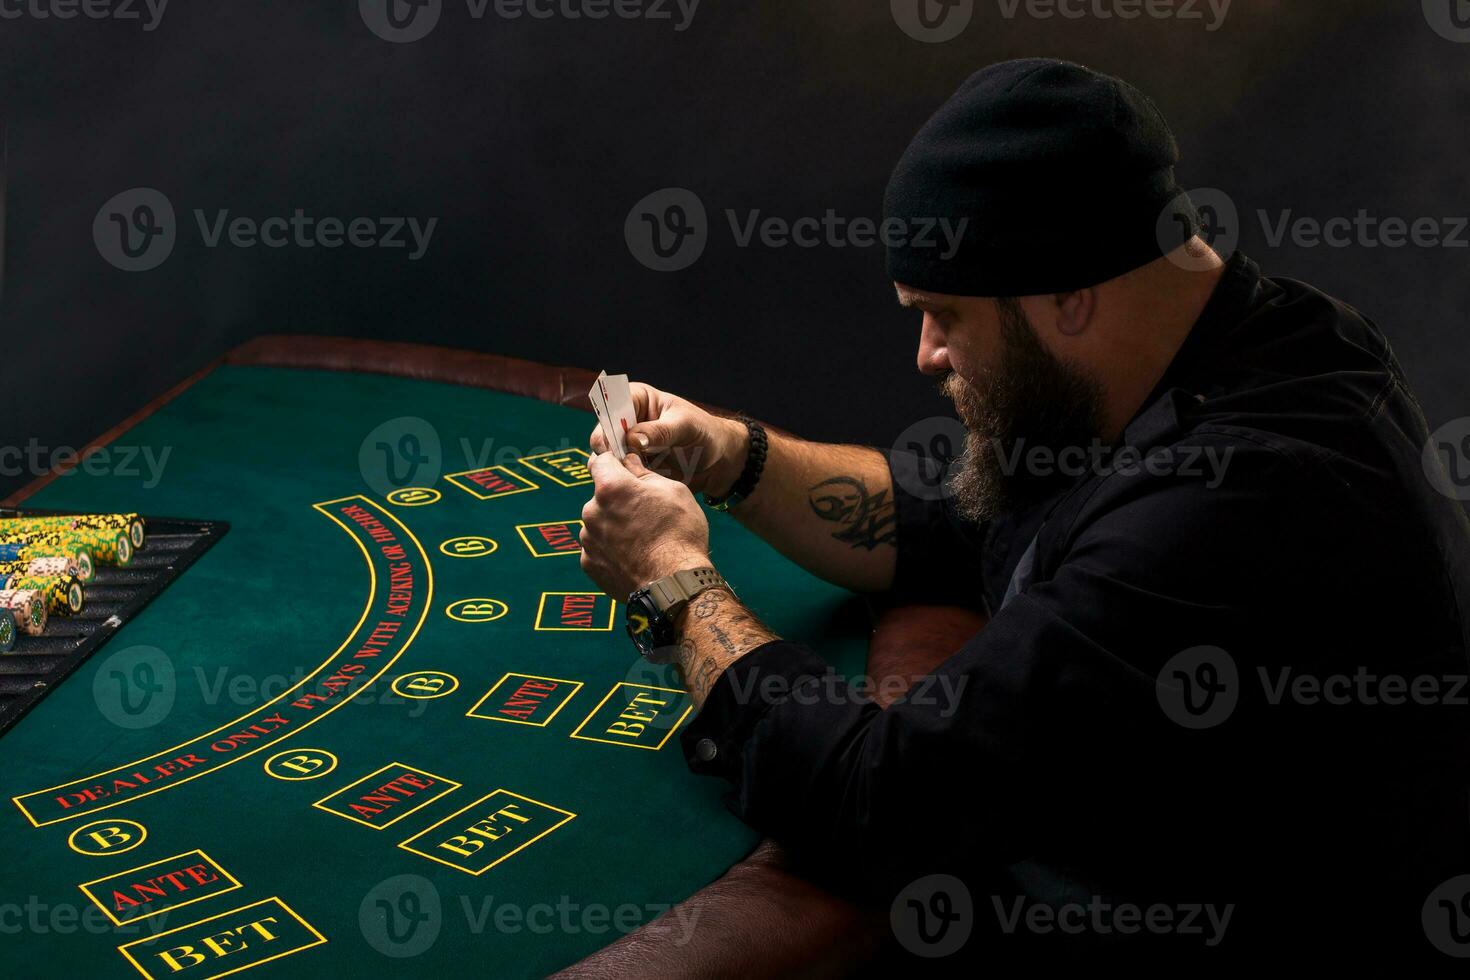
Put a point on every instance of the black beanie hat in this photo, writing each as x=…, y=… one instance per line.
x=1064, y=177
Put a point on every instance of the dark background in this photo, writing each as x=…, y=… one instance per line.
x=530, y=140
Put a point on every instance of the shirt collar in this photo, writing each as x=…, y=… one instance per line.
x=1227, y=306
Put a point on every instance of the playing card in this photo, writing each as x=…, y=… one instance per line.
x=598, y=396
x=620, y=413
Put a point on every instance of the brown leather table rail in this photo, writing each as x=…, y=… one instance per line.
x=545, y=382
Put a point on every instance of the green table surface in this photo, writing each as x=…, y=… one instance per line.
x=263, y=620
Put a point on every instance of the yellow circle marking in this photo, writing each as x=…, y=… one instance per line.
x=414, y=496
x=476, y=610
x=128, y=834
x=295, y=767
x=420, y=685
x=469, y=546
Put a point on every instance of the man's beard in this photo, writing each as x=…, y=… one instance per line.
x=1029, y=400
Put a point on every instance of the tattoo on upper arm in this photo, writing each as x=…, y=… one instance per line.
x=868, y=519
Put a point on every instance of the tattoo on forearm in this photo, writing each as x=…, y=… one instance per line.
x=700, y=676
x=717, y=633
x=724, y=640
x=868, y=519
x=707, y=602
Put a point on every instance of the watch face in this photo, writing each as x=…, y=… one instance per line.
x=640, y=618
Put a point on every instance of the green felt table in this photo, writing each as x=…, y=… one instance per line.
x=355, y=739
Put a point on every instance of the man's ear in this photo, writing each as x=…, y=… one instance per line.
x=1075, y=311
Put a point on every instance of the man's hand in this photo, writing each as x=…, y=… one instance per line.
x=853, y=544
x=679, y=439
x=639, y=527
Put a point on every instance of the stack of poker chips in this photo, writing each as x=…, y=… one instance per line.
x=25, y=548
x=100, y=545
x=29, y=608
x=132, y=526
x=62, y=593
x=49, y=565
x=7, y=630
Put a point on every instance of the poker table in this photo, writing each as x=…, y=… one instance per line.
x=385, y=724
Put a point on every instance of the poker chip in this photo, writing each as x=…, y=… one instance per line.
x=63, y=593
x=7, y=631
x=29, y=607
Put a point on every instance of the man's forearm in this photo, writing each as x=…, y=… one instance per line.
x=829, y=508
x=715, y=630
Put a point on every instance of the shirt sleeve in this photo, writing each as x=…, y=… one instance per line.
x=955, y=766
x=1034, y=727
x=937, y=559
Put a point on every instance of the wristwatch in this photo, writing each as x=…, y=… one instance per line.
x=651, y=610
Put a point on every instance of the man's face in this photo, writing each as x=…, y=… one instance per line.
x=1010, y=392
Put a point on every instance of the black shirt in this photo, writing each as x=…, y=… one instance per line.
x=1229, y=673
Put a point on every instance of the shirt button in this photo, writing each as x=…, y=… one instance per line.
x=705, y=750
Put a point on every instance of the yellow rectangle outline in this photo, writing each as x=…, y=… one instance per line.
x=320, y=939
x=520, y=529
x=321, y=803
x=611, y=616
x=475, y=874
x=632, y=745
x=530, y=724
x=473, y=490
x=234, y=883
x=526, y=461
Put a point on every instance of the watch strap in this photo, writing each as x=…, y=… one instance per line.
x=678, y=588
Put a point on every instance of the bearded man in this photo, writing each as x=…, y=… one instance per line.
x=1221, y=680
